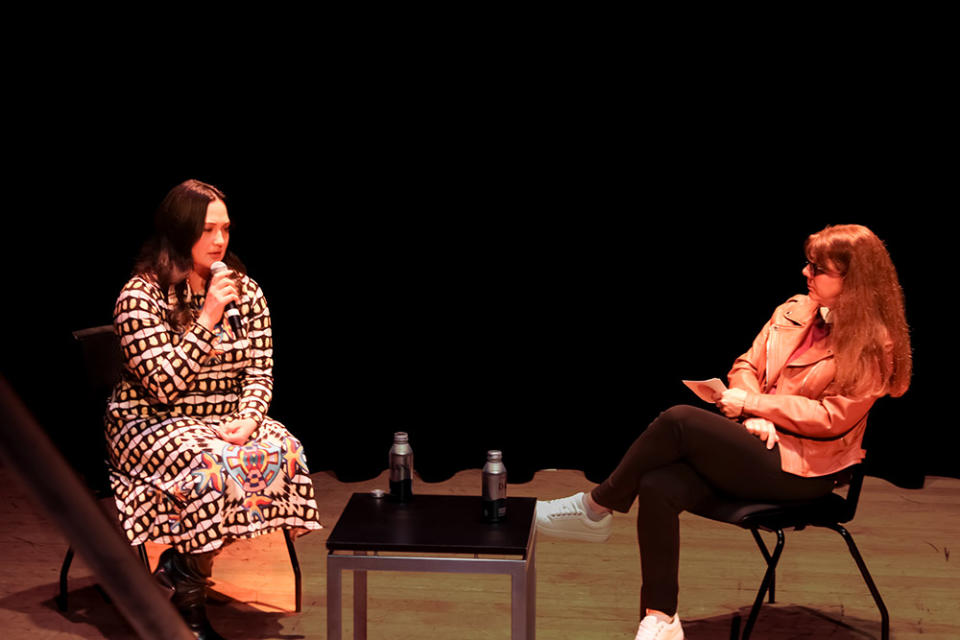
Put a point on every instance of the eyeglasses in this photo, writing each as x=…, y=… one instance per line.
x=817, y=270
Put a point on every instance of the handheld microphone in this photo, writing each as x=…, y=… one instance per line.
x=230, y=310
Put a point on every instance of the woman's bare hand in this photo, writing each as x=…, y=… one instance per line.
x=238, y=431
x=763, y=429
x=731, y=402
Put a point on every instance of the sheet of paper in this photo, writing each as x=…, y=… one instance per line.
x=707, y=390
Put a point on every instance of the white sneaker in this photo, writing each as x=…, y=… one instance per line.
x=653, y=628
x=566, y=518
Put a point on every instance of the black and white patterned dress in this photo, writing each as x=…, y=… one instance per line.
x=176, y=482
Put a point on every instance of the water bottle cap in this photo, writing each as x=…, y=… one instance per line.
x=400, y=436
x=494, y=455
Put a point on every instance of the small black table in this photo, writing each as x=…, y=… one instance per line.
x=435, y=525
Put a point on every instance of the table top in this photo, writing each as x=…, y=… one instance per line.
x=431, y=524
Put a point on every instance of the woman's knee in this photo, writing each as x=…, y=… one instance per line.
x=689, y=419
x=680, y=413
x=676, y=486
x=676, y=416
x=656, y=482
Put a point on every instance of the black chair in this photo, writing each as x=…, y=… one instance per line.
x=100, y=353
x=100, y=356
x=829, y=512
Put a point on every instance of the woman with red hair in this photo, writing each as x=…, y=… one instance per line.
x=792, y=418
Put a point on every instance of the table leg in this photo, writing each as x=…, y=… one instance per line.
x=532, y=596
x=334, y=600
x=359, y=601
x=518, y=603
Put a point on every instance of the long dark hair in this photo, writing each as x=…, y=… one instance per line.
x=167, y=255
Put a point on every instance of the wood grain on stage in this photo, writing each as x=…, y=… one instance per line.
x=585, y=591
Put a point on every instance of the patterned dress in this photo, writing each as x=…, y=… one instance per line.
x=176, y=482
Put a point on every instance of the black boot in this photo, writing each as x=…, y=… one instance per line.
x=187, y=575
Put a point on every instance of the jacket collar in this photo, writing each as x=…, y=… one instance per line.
x=802, y=312
x=792, y=325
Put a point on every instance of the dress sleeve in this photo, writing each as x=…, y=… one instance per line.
x=164, y=366
x=257, y=379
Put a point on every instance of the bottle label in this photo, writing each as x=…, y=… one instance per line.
x=494, y=510
x=494, y=486
x=400, y=470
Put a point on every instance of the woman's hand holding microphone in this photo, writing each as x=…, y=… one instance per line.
x=221, y=291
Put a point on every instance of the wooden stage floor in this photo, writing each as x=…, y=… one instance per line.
x=585, y=591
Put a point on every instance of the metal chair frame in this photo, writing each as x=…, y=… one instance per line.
x=101, y=357
x=828, y=512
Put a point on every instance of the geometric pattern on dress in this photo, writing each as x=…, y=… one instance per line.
x=209, y=474
x=253, y=466
x=295, y=457
x=172, y=482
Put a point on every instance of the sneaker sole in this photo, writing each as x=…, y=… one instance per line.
x=585, y=536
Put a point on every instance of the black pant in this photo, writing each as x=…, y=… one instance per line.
x=685, y=455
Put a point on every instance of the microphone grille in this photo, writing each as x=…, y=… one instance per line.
x=217, y=267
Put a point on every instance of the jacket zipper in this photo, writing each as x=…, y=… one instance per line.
x=766, y=363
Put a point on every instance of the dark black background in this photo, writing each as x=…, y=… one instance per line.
x=528, y=264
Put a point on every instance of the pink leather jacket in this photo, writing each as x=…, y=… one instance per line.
x=821, y=431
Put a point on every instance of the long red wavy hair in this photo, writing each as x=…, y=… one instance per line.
x=869, y=311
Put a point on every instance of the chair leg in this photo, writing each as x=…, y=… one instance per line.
x=64, y=570
x=767, y=580
x=766, y=556
x=855, y=553
x=735, y=627
x=295, y=563
x=142, y=549
x=61, y=598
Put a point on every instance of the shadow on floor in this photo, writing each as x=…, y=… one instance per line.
x=783, y=622
x=91, y=615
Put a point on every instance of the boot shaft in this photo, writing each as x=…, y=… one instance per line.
x=188, y=575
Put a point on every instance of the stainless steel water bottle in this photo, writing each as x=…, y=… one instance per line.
x=494, y=488
x=401, y=468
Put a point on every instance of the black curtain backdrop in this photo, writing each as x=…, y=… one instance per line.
x=514, y=282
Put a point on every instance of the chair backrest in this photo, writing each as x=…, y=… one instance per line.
x=101, y=365
x=855, y=484
x=100, y=348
